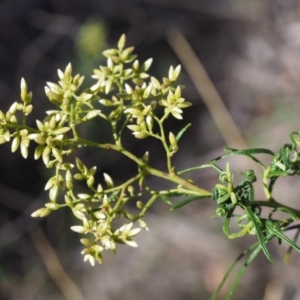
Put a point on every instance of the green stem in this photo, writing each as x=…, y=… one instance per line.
x=148, y=204
x=174, y=178
x=147, y=169
x=163, y=140
x=122, y=199
x=23, y=126
x=72, y=125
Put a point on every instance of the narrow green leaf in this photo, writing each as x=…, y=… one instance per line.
x=226, y=226
x=246, y=152
x=216, y=292
x=182, y=131
x=259, y=233
x=250, y=151
x=113, y=196
x=166, y=199
x=244, y=268
x=286, y=210
x=187, y=201
x=278, y=233
x=242, y=271
x=199, y=168
x=289, y=251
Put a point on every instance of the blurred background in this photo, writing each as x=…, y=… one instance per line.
x=241, y=69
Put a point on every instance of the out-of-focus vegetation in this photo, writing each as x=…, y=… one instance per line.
x=90, y=42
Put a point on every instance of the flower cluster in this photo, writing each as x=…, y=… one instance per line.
x=130, y=98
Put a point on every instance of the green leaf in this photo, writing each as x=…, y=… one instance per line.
x=216, y=292
x=166, y=199
x=187, y=201
x=250, y=151
x=286, y=210
x=246, y=152
x=199, y=168
x=289, y=251
x=275, y=230
x=113, y=196
x=242, y=271
x=252, y=217
x=182, y=131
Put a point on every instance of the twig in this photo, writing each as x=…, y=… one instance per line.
x=54, y=267
x=206, y=89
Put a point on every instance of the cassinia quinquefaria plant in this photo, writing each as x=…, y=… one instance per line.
x=133, y=100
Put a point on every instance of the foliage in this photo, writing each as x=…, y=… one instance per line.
x=131, y=99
